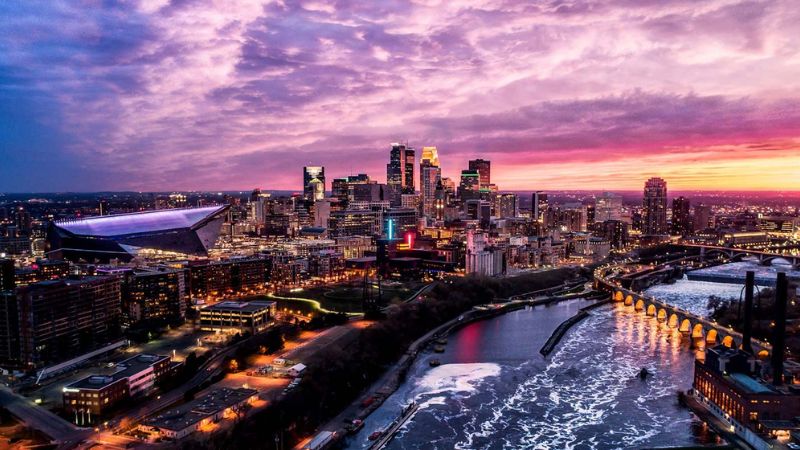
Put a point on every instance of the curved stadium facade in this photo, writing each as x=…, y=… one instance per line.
x=187, y=231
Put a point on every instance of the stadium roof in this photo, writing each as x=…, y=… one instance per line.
x=188, y=231
x=141, y=222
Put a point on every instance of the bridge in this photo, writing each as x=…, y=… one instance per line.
x=704, y=332
x=765, y=258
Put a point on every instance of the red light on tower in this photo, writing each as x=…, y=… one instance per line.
x=410, y=240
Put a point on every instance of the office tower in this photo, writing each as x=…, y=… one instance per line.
x=430, y=155
x=313, y=183
x=484, y=169
x=440, y=201
x=7, y=282
x=616, y=232
x=507, y=205
x=681, y=220
x=403, y=220
x=538, y=205
x=608, y=206
x=339, y=187
x=480, y=210
x=354, y=223
x=654, y=207
x=259, y=203
x=430, y=175
x=23, y=221
x=103, y=207
x=355, y=188
x=400, y=171
x=702, y=217
x=469, y=188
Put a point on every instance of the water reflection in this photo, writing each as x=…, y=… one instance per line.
x=494, y=390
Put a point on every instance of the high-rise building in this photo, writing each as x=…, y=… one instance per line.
x=507, y=205
x=7, y=282
x=354, y=223
x=608, y=206
x=538, y=205
x=60, y=319
x=480, y=210
x=484, y=169
x=259, y=202
x=681, y=220
x=430, y=175
x=313, y=183
x=151, y=295
x=440, y=201
x=654, y=207
x=400, y=171
x=702, y=217
x=615, y=232
x=355, y=188
x=469, y=188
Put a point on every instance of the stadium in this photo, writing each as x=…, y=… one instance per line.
x=122, y=237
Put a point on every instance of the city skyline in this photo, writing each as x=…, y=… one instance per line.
x=155, y=96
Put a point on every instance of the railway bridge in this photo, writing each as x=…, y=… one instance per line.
x=765, y=258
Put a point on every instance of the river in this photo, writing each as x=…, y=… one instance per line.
x=493, y=390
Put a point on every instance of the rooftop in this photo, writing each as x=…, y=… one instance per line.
x=750, y=384
x=119, y=371
x=253, y=306
x=140, y=222
x=189, y=414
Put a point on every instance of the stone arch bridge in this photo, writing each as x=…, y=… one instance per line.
x=707, y=332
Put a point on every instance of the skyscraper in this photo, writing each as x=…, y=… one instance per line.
x=538, y=205
x=507, y=205
x=470, y=185
x=430, y=175
x=654, y=207
x=400, y=171
x=681, y=220
x=484, y=169
x=313, y=183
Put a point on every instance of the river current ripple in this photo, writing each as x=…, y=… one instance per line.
x=495, y=391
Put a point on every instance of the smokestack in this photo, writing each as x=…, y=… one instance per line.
x=779, y=336
x=747, y=333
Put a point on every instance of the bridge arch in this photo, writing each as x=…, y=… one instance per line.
x=629, y=300
x=662, y=315
x=729, y=342
x=711, y=337
x=619, y=296
x=770, y=260
x=686, y=326
x=698, y=331
x=639, y=305
x=673, y=321
x=717, y=252
x=651, y=310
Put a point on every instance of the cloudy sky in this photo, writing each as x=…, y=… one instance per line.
x=235, y=94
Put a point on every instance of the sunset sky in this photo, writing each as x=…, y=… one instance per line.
x=233, y=94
